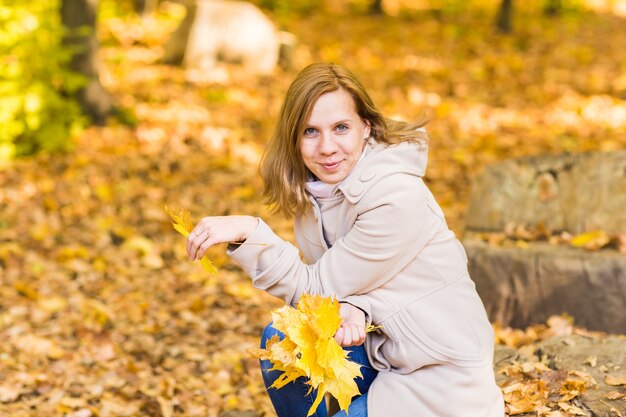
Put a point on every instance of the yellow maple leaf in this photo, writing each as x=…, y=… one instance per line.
x=183, y=225
x=309, y=350
x=324, y=315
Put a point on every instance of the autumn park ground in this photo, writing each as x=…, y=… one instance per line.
x=101, y=314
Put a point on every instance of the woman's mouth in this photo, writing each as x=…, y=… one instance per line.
x=330, y=166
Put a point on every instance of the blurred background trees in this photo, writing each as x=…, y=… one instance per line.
x=50, y=80
x=38, y=112
x=79, y=25
x=49, y=75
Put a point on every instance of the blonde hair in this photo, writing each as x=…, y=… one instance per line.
x=282, y=166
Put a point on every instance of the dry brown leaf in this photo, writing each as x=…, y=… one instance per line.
x=9, y=393
x=615, y=380
x=591, y=361
x=572, y=409
x=615, y=395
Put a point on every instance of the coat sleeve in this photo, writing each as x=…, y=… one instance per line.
x=395, y=221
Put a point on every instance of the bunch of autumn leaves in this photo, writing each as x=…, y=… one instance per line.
x=308, y=348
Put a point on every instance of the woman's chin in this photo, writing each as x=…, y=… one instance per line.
x=334, y=178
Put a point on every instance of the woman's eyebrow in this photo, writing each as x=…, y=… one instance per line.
x=332, y=123
x=307, y=125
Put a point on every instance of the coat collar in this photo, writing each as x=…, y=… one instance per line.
x=381, y=161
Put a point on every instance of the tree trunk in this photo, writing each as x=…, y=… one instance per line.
x=505, y=14
x=552, y=8
x=79, y=19
x=376, y=7
x=177, y=44
x=145, y=7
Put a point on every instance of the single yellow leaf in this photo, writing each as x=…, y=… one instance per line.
x=183, y=225
x=318, y=399
x=182, y=221
x=258, y=353
x=324, y=315
x=593, y=240
x=208, y=265
x=180, y=229
x=139, y=243
x=25, y=289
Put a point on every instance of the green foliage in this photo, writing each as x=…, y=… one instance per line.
x=38, y=113
x=108, y=9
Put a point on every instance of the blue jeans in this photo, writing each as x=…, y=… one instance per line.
x=292, y=399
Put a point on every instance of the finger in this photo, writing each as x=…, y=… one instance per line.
x=204, y=247
x=362, y=335
x=190, y=245
x=356, y=336
x=348, y=336
x=339, y=336
x=359, y=336
x=195, y=243
x=190, y=237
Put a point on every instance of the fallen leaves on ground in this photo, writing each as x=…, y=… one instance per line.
x=530, y=383
x=522, y=236
x=102, y=315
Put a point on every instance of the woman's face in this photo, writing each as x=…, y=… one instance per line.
x=333, y=137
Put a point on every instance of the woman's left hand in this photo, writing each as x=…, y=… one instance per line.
x=218, y=229
x=352, y=329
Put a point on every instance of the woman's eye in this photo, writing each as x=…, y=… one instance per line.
x=309, y=131
x=342, y=128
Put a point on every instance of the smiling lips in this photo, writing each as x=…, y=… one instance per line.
x=331, y=166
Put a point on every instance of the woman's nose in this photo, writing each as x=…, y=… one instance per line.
x=327, y=144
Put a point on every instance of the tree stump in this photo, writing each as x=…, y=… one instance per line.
x=574, y=193
x=520, y=287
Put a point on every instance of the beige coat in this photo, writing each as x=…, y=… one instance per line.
x=395, y=258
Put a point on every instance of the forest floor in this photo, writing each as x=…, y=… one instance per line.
x=100, y=312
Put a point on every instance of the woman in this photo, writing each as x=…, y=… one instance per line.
x=374, y=237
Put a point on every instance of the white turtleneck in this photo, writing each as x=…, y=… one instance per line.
x=328, y=201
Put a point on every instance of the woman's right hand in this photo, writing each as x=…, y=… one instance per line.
x=218, y=229
x=352, y=329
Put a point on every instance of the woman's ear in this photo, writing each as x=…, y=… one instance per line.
x=368, y=129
